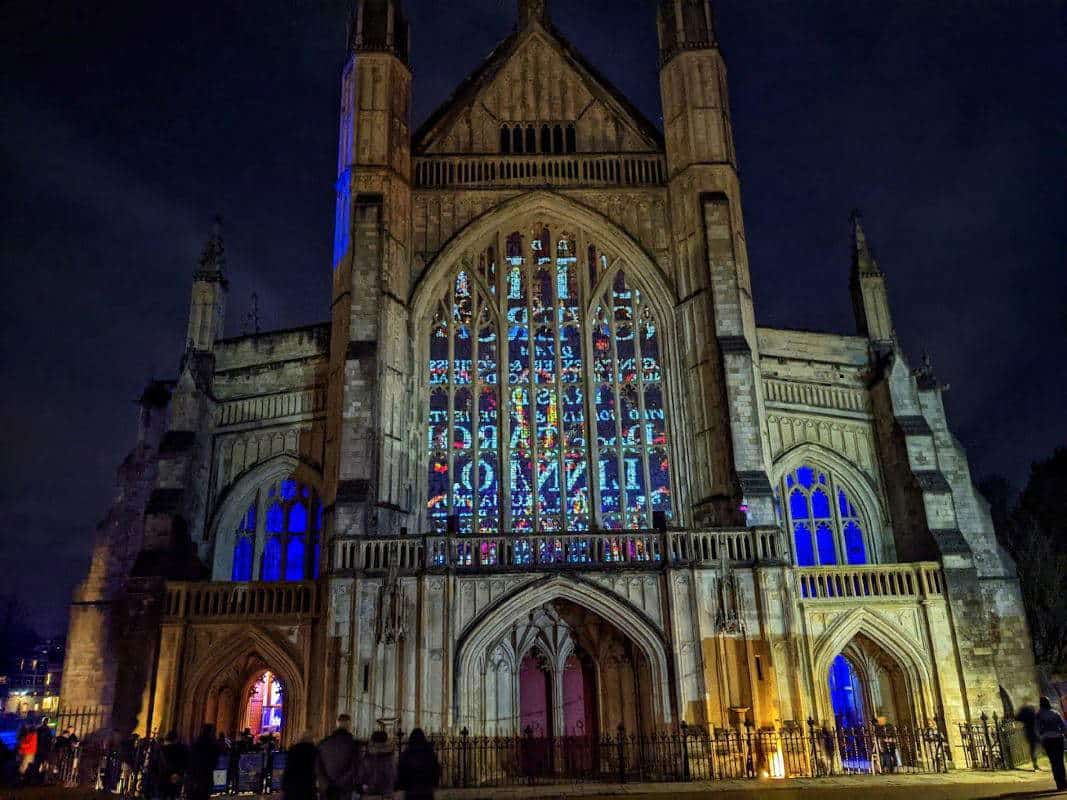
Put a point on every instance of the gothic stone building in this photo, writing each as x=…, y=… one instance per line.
x=542, y=468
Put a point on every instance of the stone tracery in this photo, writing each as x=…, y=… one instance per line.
x=539, y=342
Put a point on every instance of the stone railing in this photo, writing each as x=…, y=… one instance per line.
x=740, y=545
x=575, y=169
x=645, y=549
x=875, y=582
x=842, y=398
x=217, y=600
x=272, y=406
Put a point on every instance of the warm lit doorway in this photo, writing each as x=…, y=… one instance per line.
x=264, y=711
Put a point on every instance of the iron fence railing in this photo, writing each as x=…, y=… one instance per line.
x=993, y=743
x=690, y=753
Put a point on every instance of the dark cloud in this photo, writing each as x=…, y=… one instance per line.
x=127, y=126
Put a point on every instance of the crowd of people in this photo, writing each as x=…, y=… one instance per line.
x=39, y=754
x=338, y=768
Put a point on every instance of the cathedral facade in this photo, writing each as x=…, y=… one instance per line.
x=542, y=470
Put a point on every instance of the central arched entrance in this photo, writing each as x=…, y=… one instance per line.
x=558, y=668
x=562, y=684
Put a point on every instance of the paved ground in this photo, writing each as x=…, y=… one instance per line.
x=956, y=786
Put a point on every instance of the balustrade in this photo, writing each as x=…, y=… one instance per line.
x=587, y=550
x=217, y=599
x=574, y=169
x=874, y=582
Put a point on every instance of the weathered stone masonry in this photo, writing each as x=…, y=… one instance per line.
x=732, y=606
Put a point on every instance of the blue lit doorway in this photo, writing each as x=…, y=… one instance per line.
x=846, y=694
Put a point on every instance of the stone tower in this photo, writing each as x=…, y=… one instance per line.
x=712, y=269
x=366, y=480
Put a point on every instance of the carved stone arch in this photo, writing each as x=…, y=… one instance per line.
x=493, y=624
x=912, y=661
x=872, y=509
x=232, y=503
x=217, y=669
x=430, y=283
x=642, y=270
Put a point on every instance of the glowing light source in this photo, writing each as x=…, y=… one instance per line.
x=523, y=460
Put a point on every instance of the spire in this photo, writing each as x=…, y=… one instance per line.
x=207, y=302
x=870, y=300
x=863, y=261
x=533, y=11
x=213, y=257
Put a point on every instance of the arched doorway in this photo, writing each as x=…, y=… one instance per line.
x=563, y=671
x=867, y=685
x=258, y=689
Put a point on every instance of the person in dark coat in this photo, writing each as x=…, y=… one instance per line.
x=377, y=772
x=419, y=769
x=298, y=780
x=202, y=759
x=338, y=762
x=1052, y=730
x=174, y=761
x=44, y=750
x=1027, y=716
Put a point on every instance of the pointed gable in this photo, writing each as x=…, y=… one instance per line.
x=535, y=77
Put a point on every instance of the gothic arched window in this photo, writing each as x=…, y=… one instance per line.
x=546, y=405
x=822, y=517
x=282, y=523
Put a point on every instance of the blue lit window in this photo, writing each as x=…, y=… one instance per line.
x=516, y=365
x=854, y=548
x=272, y=559
x=290, y=549
x=244, y=545
x=242, y=558
x=805, y=552
x=825, y=532
x=827, y=552
x=294, y=558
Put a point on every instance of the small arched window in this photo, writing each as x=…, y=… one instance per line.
x=572, y=142
x=546, y=140
x=531, y=139
x=505, y=140
x=557, y=139
x=822, y=517
x=283, y=523
x=516, y=139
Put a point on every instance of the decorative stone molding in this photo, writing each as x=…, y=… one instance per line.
x=852, y=440
x=302, y=402
x=838, y=398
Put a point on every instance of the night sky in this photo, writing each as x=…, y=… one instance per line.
x=127, y=125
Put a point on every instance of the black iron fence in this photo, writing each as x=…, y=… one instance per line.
x=992, y=743
x=689, y=754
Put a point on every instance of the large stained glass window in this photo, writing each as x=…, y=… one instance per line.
x=546, y=395
x=820, y=512
x=285, y=536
